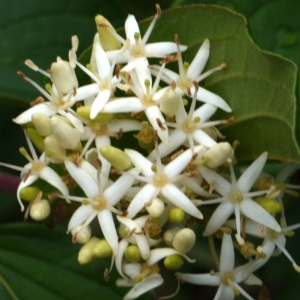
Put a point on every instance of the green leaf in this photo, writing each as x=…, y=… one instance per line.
x=35, y=259
x=259, y=86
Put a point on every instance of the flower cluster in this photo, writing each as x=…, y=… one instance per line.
x=148, y=197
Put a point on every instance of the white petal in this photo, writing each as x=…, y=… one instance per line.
x=143, y=73
x=253, y=280
x=89, y=168
x=227, y=254
x=220, y=215
x=109, y=229
x=193, y=184
x=161, y=49
x=87, y=91
x=225, y=293
x=102, y=61
x=84, y=180
x=248, y=178
x=244, y=293
x=204, y=112
x=168, y=78
x=81, y=215
x=200, y=279
x=119, y=258
x=179, y=199
x=197, y=65
x=74, y=121
x=203, y=138
x=256, y=213
x=131, y=27
x=99, y=103
x=140, y=162
x=129, y=104
x=126, y=125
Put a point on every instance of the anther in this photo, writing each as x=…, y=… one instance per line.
x=160, y=124
x=120, y=133
x=38, y=100
x=158, y=11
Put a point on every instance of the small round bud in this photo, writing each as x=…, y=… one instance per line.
x=40, y=210
x=85, y=254
x=169, y=103
x=118, y=158
x=133, y=254
x=156, y=208
x=102, y=249
x=42, y=124
x=173, y=262
x=169, y=235
x=184, y=240
x=272, y=206
x=29, y=193
x=218, y=155
x=176, y=215
x=81, y=235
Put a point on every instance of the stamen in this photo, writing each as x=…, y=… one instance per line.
x=119, y=134
x=29, y=63
x=160, y=124
x=75, y=43
x=37, y=101
x=175, y=293
x=209, y=72
x=180, y=63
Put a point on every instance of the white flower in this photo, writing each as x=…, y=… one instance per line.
x=237, y=198
x=227, y=278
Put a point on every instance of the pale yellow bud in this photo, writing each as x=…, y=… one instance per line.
x=63, y=76
x=169, y=103
x=184, y=240
x=54, y=151
x=176, y=215
x=169, y=235
x=272, y=206
x=36, y=139
x=85, y=111
x=218, y=155
x=173, y=262
x=155, y=208
x=118, y=158
x=81, y=235
x=102, y=249
x=108, y=41
x=133, y=254
x=85, y=254
x=42, y=124
x=29, y=193
x=40, y=210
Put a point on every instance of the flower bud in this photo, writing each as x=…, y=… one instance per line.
x=29, y=193
x=118, y=158
x=36, y=139
x=169, y=103
x=102, y=249
x=54, y=151
x=169, y=235
x=218, y=155
x=63, y=76
x=84, y=112
x=81, y=235
x=176, y=215
x=42, y=124
x=156, y=208
x=272, y=206
x=184, y=240
x=40, y=210
x=173, y=262
x=85, y=254
x=67, y=136
x=108, y=41
x=133, y=254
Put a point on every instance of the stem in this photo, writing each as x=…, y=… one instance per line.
x=8, y=288
x=212, y=249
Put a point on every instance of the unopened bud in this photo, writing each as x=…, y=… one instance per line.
x=85, y=254
x=156, y=208
x=63, y=76
x=169, y=103
x=169, y=235
x=40, y=210
x=218, y=155
x=36, y=139
x=67, y=136
x=108, y=41
x=176, y=215
x=184, y=240
x=85, y=111
x=54, y=151
x=102, y=249
x=173, y=262
x=272, y=206
x=133, y=254
x=29, y=193
x=42, y=124
x=81, y=235
x=118, y=158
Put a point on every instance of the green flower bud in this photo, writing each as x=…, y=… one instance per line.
x=176, y=215
x=42, y=124
x=184, y=240
x=169, y=103
x=85, y=254
x=118, y=158
x=218, y=155
x=108, y=41
x=82, y=235
x=272, y=206
x=37, y=140
x=54, y=151
x=169, y=235
x=173, y=262
x=133, y=254
x=156, y=208
x=40, y=210
x=102, y=249
x=29, y=193
x=84, y=112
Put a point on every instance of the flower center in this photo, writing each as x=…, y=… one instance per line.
x=98, y=128
x=160, y=180
x=227, y=278
x=236, y=197
x=189, y=126
x=146, y=271
x=105, y=85
x=99, y=203
x=138, y=49
x=37, y=167
x=152, y=227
